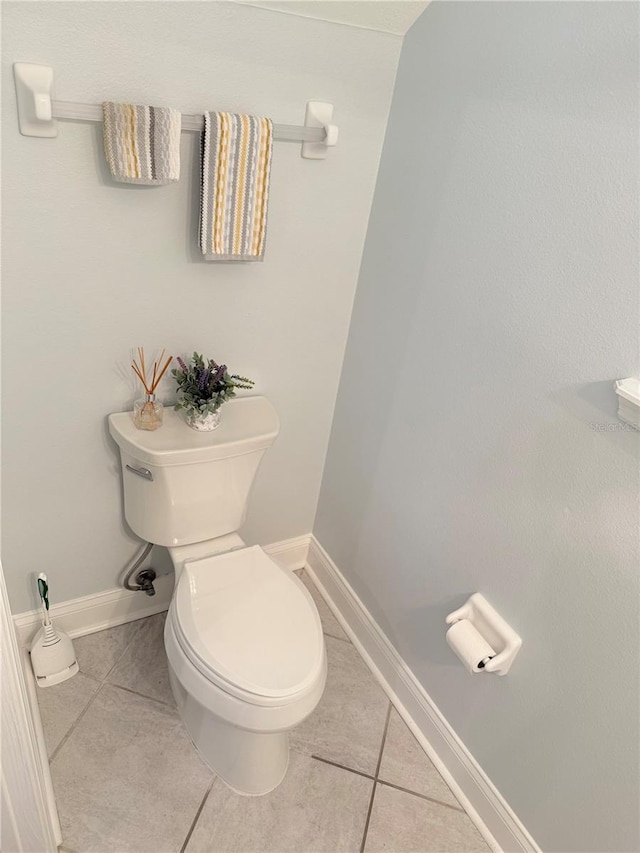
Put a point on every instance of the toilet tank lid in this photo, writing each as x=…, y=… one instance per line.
x=247, y=424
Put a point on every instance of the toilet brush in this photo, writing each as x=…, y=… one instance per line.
x=52, y=656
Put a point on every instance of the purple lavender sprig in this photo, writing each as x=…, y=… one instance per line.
x=219, y=374
x=205, y=386
x=204, y=379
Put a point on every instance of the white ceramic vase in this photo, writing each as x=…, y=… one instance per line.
x=204, y=421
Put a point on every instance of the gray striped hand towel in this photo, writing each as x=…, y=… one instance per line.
x=142, y=144
x=236, y=163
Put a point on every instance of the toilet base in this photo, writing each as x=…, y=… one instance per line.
x=250, y=763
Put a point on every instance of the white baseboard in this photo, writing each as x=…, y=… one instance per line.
x=484, y=804
x=290, y=553
x=91, y=613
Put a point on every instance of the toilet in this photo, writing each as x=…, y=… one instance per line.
x=243, y=637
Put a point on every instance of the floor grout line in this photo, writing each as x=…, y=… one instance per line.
x=142, y=695
x=197, y=817
x=366, y=824
x=100, y=682
x=421, y=796
x=126, y=648
x=343, y=767
x=384, y=738
x=379, y=781
x=56, y=751
x=375, y=779
x=342, y=639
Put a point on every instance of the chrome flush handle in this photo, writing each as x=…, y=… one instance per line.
x=141, y=472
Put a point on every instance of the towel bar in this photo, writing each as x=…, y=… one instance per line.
x=37, y=113
x=93, y=112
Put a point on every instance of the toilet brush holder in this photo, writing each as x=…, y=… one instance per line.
x=53, y=657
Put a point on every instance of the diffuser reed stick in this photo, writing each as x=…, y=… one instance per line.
x=141, y=371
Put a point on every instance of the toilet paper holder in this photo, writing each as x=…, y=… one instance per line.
x=493, y=628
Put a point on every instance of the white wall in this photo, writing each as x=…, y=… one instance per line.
x=92, y=268
x=497, y=304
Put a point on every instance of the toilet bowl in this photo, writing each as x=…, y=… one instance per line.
x=243, y=637
x=246, y=661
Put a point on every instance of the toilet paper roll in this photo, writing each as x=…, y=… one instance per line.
x=470, y=646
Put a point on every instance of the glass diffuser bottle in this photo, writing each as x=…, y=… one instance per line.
x=147, y=411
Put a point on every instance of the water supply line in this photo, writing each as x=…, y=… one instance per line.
x=144, y=578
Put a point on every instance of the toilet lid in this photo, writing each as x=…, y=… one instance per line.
x=250, y=622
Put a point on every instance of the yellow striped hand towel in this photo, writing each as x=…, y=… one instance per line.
x=236, y=163
x=142, y=144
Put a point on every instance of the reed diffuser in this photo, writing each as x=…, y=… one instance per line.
x=147, y=411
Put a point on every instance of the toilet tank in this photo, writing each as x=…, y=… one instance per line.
x=183, y=486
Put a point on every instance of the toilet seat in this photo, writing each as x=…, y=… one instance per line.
x=249, y=626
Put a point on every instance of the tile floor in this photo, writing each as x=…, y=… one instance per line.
x=128, y=779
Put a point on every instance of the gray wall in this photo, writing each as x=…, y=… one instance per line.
x=497, y=303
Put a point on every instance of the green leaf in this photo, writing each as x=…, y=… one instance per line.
x=43, y=589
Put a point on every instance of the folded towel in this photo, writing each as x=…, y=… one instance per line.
x=236, y=162
x=142, y=144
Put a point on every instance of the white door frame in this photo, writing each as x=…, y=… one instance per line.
x=29, y=821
